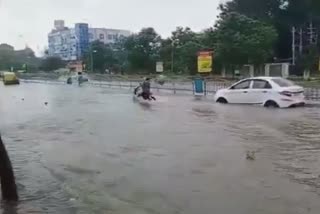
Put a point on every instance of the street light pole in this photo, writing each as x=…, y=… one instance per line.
x=91, y=61
x=172, y=55
x=92, y=51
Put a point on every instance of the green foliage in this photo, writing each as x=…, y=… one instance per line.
x=265, y=10
x=310, y=58
x=181, y=50
x=281, y=14
x=104, y=57
x=208, y=38
x=143, y=50
x=242, y=40
x=247, y=31
x=52, y=63
x=237, y=40
x=9, y=58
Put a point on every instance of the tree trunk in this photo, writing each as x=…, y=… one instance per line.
x=306, y=74
x=8, y=184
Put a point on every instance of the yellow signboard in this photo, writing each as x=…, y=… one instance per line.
x=205, y=62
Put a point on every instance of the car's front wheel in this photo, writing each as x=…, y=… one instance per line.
x=271, y=104
x=222, y=100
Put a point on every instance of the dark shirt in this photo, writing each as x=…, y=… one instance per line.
x=146, y=87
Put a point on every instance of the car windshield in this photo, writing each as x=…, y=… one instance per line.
x=283, y=82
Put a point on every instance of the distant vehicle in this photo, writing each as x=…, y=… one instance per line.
x=82, y=78
x=78, y=78
x=10, y=78
x=266, y=91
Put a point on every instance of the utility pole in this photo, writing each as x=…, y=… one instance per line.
x=172, y=55
x=91, y=57
x=92, y=52
x=293, y=45
x=174, y=42
x=300, y=41
x=312, y=34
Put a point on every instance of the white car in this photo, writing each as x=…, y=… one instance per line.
x=267, y=91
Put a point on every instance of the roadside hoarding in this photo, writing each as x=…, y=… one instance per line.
x=75, y=66
x=159, y=67
x=205, y=61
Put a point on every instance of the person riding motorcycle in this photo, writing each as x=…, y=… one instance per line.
x=146, y=85
x=146, y=92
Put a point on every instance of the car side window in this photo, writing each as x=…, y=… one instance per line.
x=261, y=84
x=242, y=85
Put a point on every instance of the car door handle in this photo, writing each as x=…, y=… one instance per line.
x=265, y=92
x=245, y=92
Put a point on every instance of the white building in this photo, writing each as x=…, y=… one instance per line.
x=71, y=43
x=63, y=43
x=107, y=36
x=59, y=24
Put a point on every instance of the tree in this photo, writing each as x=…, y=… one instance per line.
x=120, y=54
x=18, y=60
x=310, y=59
x=181, y=50
x=188, y=57
x=7, y=57
x=52, y=63
x=208, y=38
x=282, y=14
x=143, y=49
x=183, y=35
x=242, y=40
x=101, y=55
x=96, y=55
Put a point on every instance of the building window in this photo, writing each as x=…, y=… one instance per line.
x=90, y=35
x=110, y=37
x=101, y=36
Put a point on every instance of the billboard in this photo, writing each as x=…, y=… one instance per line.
x=205, y=61
x=76, y=66
x=159, y=67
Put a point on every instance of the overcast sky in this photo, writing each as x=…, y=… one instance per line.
x=29, y=21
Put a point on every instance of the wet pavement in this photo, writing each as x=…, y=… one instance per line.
x=94, y=150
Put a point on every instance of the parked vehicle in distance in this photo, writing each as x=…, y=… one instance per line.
x=10, y=78
x=266, y=91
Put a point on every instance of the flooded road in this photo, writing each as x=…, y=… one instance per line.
x=94, y=150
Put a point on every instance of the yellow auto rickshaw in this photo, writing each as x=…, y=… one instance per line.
x=10, y=78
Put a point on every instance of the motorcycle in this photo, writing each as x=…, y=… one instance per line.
x=138, y=94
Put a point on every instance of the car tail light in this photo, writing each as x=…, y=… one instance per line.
x=286, y=93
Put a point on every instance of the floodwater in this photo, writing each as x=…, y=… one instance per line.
x=94, y=150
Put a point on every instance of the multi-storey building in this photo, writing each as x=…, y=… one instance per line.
x=81, y=32
x=65, y=42
x=107, y=36
x=71, y=43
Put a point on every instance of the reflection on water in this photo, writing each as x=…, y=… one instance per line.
x=94, y=150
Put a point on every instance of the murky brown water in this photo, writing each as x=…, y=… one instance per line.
x=93, y=150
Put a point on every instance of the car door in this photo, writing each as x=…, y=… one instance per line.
x=260, y=91
x=239, y=93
